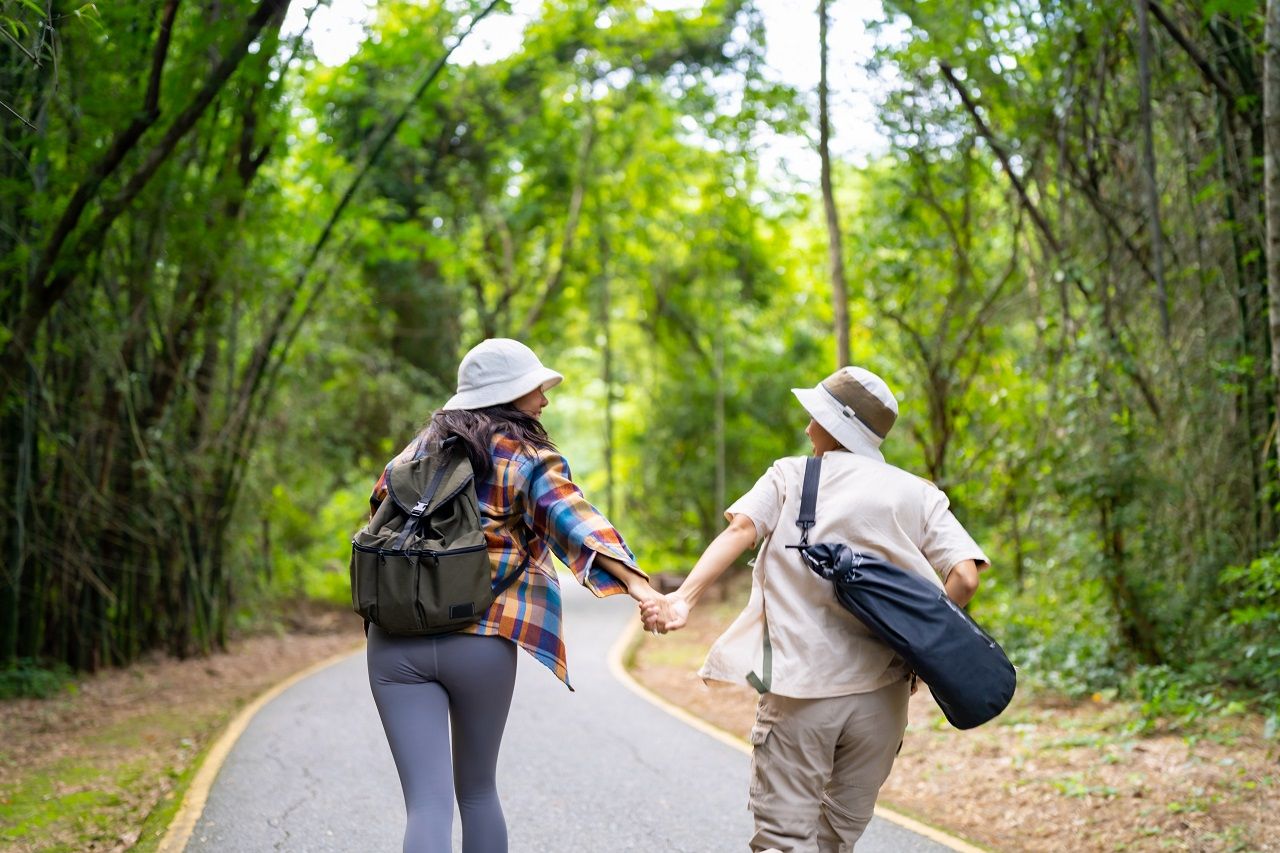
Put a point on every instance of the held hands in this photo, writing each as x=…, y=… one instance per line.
x=660, y=613
x=665, y=613
x=644, y=595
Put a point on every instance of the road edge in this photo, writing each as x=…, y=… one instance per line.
x=617, y=668
x=197, y=794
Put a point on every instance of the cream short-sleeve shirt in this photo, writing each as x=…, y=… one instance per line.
x=816, y=647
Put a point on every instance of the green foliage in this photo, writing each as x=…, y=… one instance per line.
x=1232, y=8
x=307, y=549
x=1245, y=636
x=1252, y=591
x=1178, y=698
x=28, y=678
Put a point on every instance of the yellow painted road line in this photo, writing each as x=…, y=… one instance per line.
x=617, y=657
x=184, y=822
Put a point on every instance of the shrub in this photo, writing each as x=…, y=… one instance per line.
x=27, y=678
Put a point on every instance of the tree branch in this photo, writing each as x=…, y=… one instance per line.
x=1149, y=162
x=46, y=296
x=556, y=273
x=1206, y=68
x=835, y=247
x=19, y=116
x=1088, y=189
x=115, y=154
x=1003, y=156
x=1042, y=225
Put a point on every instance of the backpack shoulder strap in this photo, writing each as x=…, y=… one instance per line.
x=809, y=497
x=444, y=465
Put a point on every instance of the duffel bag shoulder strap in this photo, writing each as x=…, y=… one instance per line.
x=809, y=497
x=763, y=680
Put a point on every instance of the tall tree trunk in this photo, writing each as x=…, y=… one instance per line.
x=27, y=86
x=1247, y=403
x=13, y=609
x=839, y=290
x=607, y=373
x=1149, y=162
x=1135, y=626
x=1271, y=123
x=718, y=367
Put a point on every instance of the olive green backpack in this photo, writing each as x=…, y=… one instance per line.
x=420, y=566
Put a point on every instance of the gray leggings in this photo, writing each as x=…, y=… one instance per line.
x=421, y=685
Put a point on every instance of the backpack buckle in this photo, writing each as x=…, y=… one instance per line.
x=418, y=509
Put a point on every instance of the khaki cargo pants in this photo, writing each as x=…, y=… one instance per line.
x=818, y=764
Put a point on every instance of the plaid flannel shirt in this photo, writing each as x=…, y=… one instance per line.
x=531, y=508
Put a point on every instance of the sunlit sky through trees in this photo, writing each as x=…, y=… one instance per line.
x=337, y=31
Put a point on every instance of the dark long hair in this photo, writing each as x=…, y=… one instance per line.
x=477, y=427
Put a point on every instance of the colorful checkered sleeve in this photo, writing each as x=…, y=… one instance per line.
x=557, y=511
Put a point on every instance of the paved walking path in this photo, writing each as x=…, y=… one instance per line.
x=596, y=771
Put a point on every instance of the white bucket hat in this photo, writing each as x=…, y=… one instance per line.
x=855, y=406
x=499, y=370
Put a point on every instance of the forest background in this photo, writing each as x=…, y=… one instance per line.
x=235, y=280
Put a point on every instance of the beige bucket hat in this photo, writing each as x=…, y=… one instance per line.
x=855, y=406
x=499, y=370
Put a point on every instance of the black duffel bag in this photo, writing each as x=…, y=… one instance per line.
x=968, y=673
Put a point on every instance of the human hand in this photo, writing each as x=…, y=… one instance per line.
x=653, y=613
x=645, y=595
x=669, y=613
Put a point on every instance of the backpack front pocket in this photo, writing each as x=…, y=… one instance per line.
x=455, y=588
x=396, y=593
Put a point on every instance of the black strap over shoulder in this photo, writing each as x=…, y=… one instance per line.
x=806, y=520
x=809, y=497
x=429, y=493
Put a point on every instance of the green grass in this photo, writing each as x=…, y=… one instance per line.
x=66, y=806
x=110, y=788
x=156, y=823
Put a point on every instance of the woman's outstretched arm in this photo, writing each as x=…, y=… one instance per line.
x=636, y=583
x=673, y=613
x=579, y=535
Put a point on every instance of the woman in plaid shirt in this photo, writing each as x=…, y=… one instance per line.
x=531, y=509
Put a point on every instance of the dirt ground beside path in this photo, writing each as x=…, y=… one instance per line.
x=100, y=768
x=1045, y=776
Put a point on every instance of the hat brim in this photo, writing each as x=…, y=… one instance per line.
x=505, y=392
x=852, y=435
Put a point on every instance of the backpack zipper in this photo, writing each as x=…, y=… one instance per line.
x=419, y=553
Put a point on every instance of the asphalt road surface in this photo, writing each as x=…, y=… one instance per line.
x=595, y=771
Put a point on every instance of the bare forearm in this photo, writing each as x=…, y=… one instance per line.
x=718, y=557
